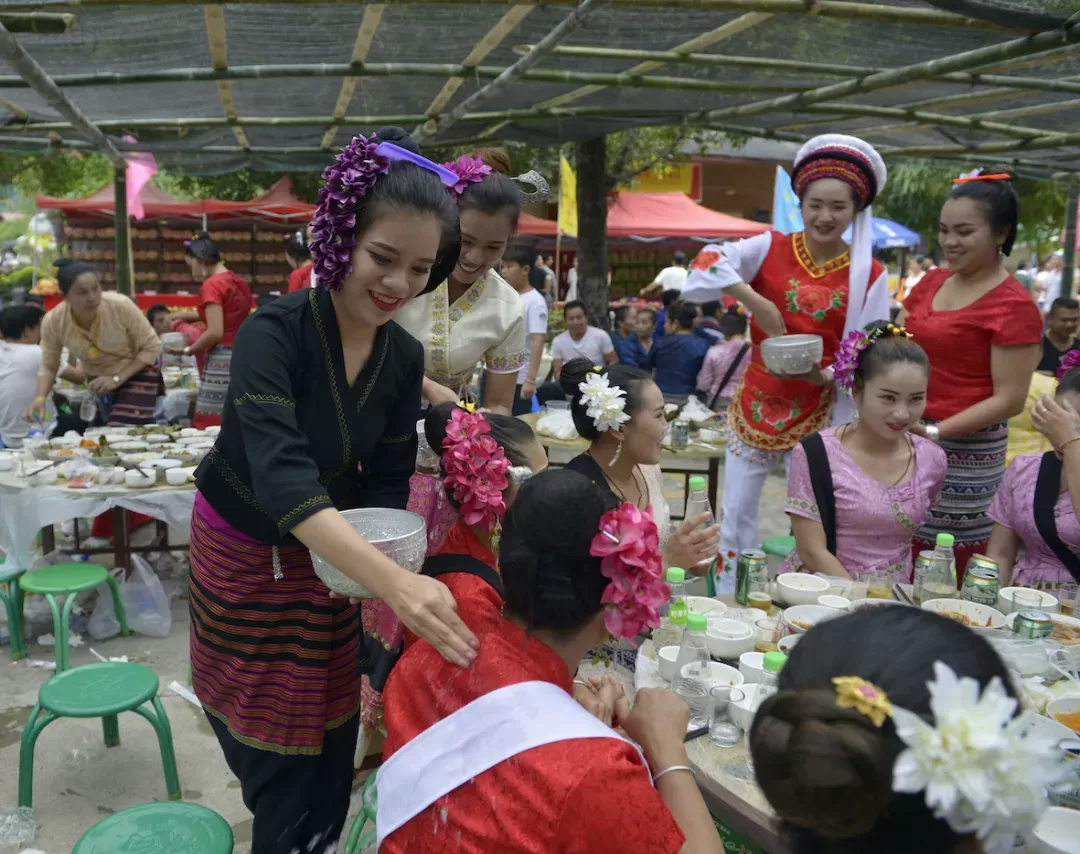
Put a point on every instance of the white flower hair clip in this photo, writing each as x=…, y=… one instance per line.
x=604, y=403
x=983, y=770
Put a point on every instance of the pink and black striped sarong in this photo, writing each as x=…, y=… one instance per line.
x=134, y=402
x=274, y=660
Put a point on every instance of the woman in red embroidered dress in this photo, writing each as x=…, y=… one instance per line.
x=804, y=283
x=501, y=759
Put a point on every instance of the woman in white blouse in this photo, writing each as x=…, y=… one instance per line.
x=475, y=315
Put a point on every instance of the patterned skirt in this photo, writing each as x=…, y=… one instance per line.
x=976, y=468
x=274, y=660
x=215, y=385
x=134, y=402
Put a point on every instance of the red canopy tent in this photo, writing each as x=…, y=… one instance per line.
x=156, y=203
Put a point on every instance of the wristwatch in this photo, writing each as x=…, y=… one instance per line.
x=932, y=432
x=116, y=379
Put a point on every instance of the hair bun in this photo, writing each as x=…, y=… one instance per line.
x=60, y=263
x=574, y=373
x=1002, y=170
x=497, y=158
x=398, y=136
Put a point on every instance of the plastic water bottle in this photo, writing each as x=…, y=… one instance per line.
x=943, y=550
x=691, y=681
x=697, y=502
x=769, y=683
x=939, y=580
x=674, y=612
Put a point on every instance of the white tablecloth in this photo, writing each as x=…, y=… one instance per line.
x=25, y=510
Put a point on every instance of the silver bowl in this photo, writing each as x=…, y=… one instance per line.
x=398, y=534
x=792, y=354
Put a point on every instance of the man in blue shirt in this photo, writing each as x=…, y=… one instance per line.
x=677, y=357
x=667, y=300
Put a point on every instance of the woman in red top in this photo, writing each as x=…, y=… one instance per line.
x=299, y=257
x=982, y=332
x=499, y=757
x=224, y=303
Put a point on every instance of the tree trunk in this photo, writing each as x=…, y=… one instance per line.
x=591, y=156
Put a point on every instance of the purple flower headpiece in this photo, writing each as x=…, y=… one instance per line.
x=1070, y=361
x=347, y=180
x=846, y=361
x=469, y=170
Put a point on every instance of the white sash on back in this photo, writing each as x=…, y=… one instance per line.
x=478, y=736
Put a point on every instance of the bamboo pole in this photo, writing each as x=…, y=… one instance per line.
x=122, y=232
x=907, y=74
x=1050, y=140
x=217, y=42
x=41, y=23
x=47, y=90
x=365, y=35
x=837, y=9
x=1068, y=272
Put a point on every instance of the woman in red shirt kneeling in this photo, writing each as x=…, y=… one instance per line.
x=499, y=757
x=982, y=332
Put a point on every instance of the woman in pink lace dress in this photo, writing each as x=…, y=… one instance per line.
x=884, y=478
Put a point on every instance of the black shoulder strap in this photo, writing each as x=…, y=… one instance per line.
x=1047, y=489
x=730, y=372
x=821, y=480
x=442, y=564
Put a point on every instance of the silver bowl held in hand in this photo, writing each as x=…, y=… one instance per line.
x=398, y=534
x=792, y=354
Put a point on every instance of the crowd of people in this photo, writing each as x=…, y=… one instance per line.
x=355, y=390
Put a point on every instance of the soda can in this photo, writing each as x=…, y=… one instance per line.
x=922, y=564
x=680, y=434
x=752, y=566
x=981, y=581
x=1033, y=625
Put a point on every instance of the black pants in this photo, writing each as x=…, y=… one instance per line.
x=521, y=407
x=300, y=803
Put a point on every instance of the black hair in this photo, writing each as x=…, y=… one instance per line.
x=683, y=316
x=679, y=258
x=670, y=297
x=1069, y=382
x=16, y=319
x=550, y=579
x=999, y=200
x=35, y=299
x=621, y=312
x=67, y=271
x=887, y=350
x=827, y=771
x=631, y=380
x=496, y=193
x=202, y=248
x=1064, y=302
x=537, y=277
x=156, y=309
x=575, y=303
x=710, y=308
x=734, y=321
x=650, y=312
x=523, y=256
x=296, y=246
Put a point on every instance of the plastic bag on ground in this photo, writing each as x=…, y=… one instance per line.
x=144, y=600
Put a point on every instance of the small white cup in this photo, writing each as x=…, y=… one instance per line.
x=176, y=477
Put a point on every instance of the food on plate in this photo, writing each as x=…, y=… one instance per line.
x=89, y=444
x=966, y=620
x=1069, y=719
x=1065, y=633
x=63, y=452
x=80, y=482
x=802, y=624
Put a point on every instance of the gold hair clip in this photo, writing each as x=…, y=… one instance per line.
x=468, y=407
x=864, y=697
x=597, y=369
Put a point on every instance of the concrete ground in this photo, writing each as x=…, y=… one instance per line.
x=77, y=780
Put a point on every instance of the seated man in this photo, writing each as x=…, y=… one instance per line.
x=677, y=357
x=581, y=341
x=20, y=358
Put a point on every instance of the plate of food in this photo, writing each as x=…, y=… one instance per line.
x=970, y=614
x=195, y=440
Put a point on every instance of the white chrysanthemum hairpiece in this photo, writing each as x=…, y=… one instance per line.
x=604, y=403
x=983, y=771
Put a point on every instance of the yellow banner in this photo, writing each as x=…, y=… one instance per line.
x=567, y=199
x=671, y=178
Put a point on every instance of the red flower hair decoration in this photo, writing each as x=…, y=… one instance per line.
x=629, y=544
x=475, y=468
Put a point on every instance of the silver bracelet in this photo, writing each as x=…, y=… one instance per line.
x=933, y=433
x=656, y=777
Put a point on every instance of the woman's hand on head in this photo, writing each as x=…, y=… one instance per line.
x=426, y=607
x=692, y=549
x=1056, y=421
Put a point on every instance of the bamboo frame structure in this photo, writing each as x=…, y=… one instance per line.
x=365, y=35
x=39, y=23
x=214, y=15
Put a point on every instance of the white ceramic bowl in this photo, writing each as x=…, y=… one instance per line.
x=1064, y=706
x=837, y=603
x=751, y=666
x=1005, y=599
x=190, y=431
x=666, y=657
x=156, y=439
x=800, y=618
x=212, y=430
x=399, y=534
x=139, y=480
x=200, y=439
x=749, y=616
x=787, y=644
x=792, y=354
x=1048, y=728
x=65, y=442
x=721, y=675
x=176, y=477
x=161, y=464
x=978, y=616
x=729, y=638
x=1058, y=832
x=799, y=588
x=46, y=477
x=7, y=462
x=705, y=605
x=128, y=447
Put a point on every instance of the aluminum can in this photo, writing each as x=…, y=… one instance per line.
x=1033, y=625
x=680, y=434
x=922, y=564
x=981, y=583
x=751, y=566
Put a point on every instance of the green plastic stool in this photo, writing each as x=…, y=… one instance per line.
x=98, y=691
x=369, y=806
x=11, y=595
x=180, y=828
x=778, y=546
x=69, y=579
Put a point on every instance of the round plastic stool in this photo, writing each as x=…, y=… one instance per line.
x=178, y=828
x=778, y=546
x=369, y=806
x=11, y=595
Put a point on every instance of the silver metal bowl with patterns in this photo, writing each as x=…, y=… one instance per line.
x=398, y=534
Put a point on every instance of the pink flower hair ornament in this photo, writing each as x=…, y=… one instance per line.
x=469, y=170
x=1070, y=361
x=629, y=545
x=846, y=361
x=475, y=468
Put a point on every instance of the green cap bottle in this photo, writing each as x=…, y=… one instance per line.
x=675, y=575
x=696, y=623
x=774, y=662
x=946, y=540
x=697, y=482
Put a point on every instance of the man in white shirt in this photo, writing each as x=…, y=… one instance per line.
x=671, y=278
x=571, y=282
x=581, y=341
x=516, y=269
x=20, y=358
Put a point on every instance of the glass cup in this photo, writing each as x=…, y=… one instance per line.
x=1027, y=600
x=695, y=694
x=105, y=475
x=1067, y=596
x=760, y=596
x=767, y=634
x=879, y=582
x=723, y=731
